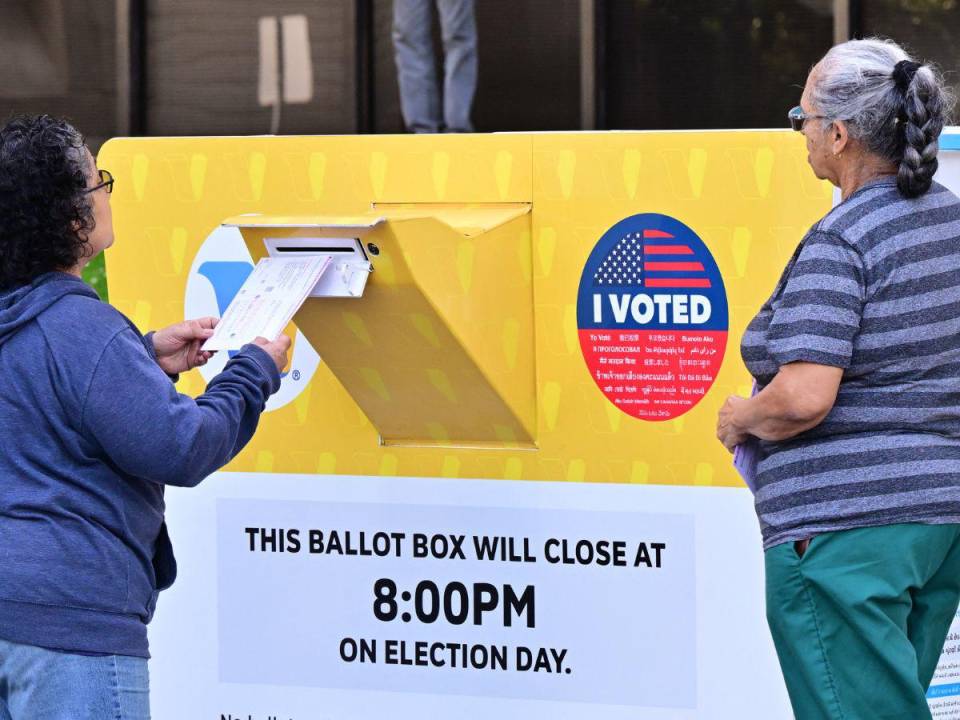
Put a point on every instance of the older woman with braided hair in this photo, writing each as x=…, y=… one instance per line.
x=857, y=420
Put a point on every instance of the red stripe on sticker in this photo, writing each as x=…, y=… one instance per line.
x=656, y=234
x=677, y=282
x=673, y=266
x=667, y=250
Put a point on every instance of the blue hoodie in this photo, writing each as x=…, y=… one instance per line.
x=91, y=430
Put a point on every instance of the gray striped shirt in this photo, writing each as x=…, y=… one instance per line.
x=873, y=288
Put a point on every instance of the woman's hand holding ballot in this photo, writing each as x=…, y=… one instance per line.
x=178, y=346
x=728, y=432
x=277, y=350
x=798, y=398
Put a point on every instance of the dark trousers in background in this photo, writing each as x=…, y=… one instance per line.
x=417, y=69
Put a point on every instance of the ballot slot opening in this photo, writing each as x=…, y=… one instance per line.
x=304, y=250
x=350, y=269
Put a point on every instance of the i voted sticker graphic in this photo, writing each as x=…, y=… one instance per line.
x=652, y=317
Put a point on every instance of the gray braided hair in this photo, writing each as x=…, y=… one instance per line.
x=895, y=107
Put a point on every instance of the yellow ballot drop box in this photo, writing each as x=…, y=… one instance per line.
x=397, y=328
x=489, y=483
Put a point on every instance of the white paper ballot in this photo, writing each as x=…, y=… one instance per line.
x=746, y=455
x=267, y=301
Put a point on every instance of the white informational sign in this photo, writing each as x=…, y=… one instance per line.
x=944, y=693
x=305, y=597
x=267, y=300
x=948, y=168
x=499, y=602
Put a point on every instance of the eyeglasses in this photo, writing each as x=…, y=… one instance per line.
x=106, y=181
x=796, y=116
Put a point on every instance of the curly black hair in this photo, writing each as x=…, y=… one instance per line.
x=45, y=215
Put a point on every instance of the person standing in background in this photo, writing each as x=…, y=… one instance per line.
x=416, y=65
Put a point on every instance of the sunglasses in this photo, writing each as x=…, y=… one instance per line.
x=797, y=116
x=106, y=181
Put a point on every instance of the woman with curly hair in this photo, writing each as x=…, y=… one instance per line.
x=92, y=430
x=857, y=357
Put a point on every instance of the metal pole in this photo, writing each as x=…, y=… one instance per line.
x=122, y=65
x=588, y=65
x=841, y=21
x=600, y=20
x=277, y=109
x=364, y=66
x=138, y=67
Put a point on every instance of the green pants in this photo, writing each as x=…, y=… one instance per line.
x=860, y=620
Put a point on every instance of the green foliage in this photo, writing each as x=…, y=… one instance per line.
x=95, y=274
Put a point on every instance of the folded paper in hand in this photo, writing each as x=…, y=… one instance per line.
x=745, y=456
x=745, y=461
x=267, y=301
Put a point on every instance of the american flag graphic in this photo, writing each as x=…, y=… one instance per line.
x=651, y=258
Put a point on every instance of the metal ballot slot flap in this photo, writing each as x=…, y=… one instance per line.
x=289, y=236
x=350, y=267
x=429, y=361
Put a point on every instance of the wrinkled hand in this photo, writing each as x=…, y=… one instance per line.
x=728, y=432
x=178, y=346
x=277, y=350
